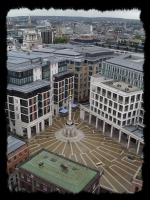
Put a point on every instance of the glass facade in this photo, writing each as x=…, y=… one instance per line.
x=20, y=78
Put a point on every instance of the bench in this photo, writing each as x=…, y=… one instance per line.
x=99, y=163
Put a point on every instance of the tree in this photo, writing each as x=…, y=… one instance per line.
x=59, y=40
x=137, y=36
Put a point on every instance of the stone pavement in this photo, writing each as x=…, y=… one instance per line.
x=93, y=148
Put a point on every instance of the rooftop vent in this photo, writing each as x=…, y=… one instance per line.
x=64, y=166
x=45, y=157
x=74, y=168
x=53, y=160
x=41, y=164
x=28, y=53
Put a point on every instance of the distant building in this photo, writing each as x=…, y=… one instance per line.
x=31, y=40
x=47, y=36
x=83, y=28
x=47, y=172
x=17, y=152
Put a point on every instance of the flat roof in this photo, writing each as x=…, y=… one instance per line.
x=123, y=86
x=135, y=130
x=126, y=63
x=26, y=55
x=68, y=71
x=73, y=179
x=67, y=52
x=45, y=50
x=13, y=144
x=20, y=65
x=29, y=87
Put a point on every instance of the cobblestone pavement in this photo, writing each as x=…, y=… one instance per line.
x=93, y=148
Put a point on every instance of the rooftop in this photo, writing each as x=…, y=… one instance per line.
x=135, y=130
x=20, y=64
x=74, y=178
x=13, y=144
x=120, y=85
x=126, y=63
x=68, y=71
x=30, y=86
x=27, y=55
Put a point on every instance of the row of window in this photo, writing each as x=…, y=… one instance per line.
x=21, y=74
x=101, y=93
x=105, y=102
x=113, y=112
x=15, y=157
x=123, y=72
x=20, y=81
x=37, y=183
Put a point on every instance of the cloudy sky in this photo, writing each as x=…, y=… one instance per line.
x=127, y=14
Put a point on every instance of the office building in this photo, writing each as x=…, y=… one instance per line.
x=116, y=97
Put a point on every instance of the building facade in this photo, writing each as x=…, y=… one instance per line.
x=17, y=152
x=118, y=102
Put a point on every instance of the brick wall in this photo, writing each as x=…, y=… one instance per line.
x=19, y=158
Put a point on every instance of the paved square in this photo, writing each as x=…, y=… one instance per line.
x=93, y=148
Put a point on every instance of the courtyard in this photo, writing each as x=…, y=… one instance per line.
x=93, y=148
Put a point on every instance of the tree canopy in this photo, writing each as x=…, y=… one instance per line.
x=59, y=40
x=139, y=37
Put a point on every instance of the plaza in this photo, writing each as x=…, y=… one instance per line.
x=118, y=170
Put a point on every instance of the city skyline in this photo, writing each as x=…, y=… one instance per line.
x=126, y=14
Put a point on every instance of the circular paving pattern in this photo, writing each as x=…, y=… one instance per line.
x=59, y=136
x=91, y=149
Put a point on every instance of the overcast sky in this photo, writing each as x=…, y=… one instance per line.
x=129, y=14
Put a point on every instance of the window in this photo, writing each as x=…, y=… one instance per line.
x=10, y=171
x=22, y=175
x=9, y=162
x=25, y=151
x=14, y=157
x=44, y=188
x=37, y=184
x=20, y=154
x=136, y=189
x=28, y=179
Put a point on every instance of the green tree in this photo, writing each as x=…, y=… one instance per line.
x=59, y=40
x=137, y=36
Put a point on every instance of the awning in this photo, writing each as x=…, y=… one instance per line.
x=63, y=111
x=73, y=105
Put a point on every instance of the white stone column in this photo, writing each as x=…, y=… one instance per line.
x=49, y=121
x=11, y=126
x=96, y=122
x=32, y=183
x=83, y=114
x=80, y=113
x=17, y=172
x=42, y=125
x=128, y=142
x=103, y=127
x=120, y=133
x=138, y=147
x=29, y=132
x=89, y=118
x=37, y=128
x=111, y=132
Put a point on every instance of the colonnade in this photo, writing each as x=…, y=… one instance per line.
x=82, y=116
